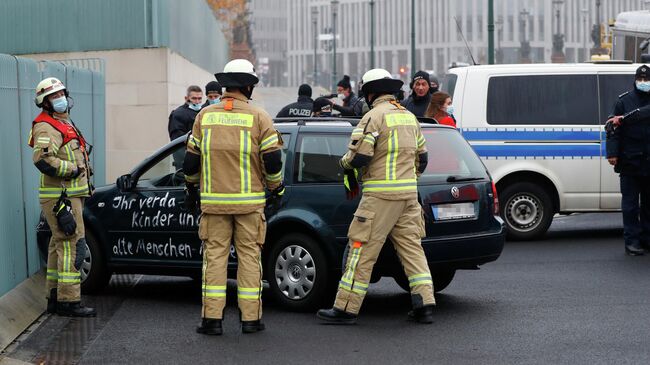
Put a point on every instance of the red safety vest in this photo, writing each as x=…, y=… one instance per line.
x=68, y=131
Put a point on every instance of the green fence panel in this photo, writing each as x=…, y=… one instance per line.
x=28, y=78
x=98, y=158
x=13, y=261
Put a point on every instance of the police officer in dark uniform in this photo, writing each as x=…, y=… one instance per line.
x=301, y=108
x=628, y=150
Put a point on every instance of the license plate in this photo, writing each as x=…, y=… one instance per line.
x=443, y=212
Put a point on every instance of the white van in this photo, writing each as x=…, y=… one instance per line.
x=539, y=129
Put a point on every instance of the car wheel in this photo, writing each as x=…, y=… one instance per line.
x=441, y=280
x=527, y=209
x=94, y=274
x=297, y=272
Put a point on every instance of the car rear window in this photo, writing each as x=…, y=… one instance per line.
x=450, y=155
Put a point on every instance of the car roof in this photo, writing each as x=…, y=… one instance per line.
x=336, y=123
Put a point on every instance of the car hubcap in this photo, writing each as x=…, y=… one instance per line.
x=524, y=212
x=86, y=264
x=295, y=272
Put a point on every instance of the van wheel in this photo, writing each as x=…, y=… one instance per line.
x=527, y=210
x=441, y=280
x=297, y=272
x=94, y=273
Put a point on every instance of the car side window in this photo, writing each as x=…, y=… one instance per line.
x=318, y=156
x=543, y=99
x=167, y=172
x=610, y=87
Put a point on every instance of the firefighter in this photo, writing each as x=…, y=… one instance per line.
x=386, y=153
x=233, y=153
x=61, y=156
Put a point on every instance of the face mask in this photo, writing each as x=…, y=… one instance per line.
x=214, y=101
x=450, y=110
x=60, y=105
x=341, y=96
x=643, y=86
x=195, y=107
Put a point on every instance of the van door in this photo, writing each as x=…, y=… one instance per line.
x=610, y=86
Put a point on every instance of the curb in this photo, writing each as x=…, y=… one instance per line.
x=20, y=307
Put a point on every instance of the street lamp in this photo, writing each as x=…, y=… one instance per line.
x=413, y=69
x=335, y=8
x=314, y=22
x=558, y=38
x=372, y=34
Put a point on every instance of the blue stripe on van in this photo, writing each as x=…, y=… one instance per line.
x=531, y=135
x=550, y=150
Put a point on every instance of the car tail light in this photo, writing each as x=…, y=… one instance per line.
x=495, y=199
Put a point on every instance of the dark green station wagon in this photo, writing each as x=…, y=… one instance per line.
x=140, y=225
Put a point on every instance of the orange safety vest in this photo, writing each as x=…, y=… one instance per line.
x=68, y=131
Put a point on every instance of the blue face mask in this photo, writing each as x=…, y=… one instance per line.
x=60, y=105
x=643, y=86
x=214, y=101
x=195, y=107
x=450, y=110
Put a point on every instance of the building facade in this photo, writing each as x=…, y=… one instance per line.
x=438, y=39
x=269, y=29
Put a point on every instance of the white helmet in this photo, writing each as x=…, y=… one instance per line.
x=380, y=81
x=237, y=73
x=47, y=87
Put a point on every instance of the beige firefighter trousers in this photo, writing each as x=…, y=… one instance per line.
x=217, y=232
x=374, y=221
x=62, y=252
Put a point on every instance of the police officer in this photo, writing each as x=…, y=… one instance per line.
x=383, y=151
x=628, y=150
x=418, y=102
x=61, y=156
x=302, y=107
x=233, y=153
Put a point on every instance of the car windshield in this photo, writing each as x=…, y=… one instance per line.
x=451, y=159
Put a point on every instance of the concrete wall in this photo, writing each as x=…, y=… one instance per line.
x=142, y=87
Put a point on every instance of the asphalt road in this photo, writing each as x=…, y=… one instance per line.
x=572, y=298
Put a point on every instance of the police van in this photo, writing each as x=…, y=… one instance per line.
x=539, y=129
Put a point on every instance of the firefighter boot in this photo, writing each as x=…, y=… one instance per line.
x=422, y=314
x=74, y=309
x=210, y=326
x=336, y=316
x=252, y=326
x=51, y=302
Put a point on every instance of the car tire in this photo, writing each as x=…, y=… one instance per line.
x=441, y=280
x=527, y=209
x=297, y=272
x=94, y=273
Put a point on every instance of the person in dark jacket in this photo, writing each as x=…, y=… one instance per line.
x=213, y=92
x=628, y=150
x=181, y=119
x=322, y=107
x=418, y=102
x=301, y=108
x=352, y=104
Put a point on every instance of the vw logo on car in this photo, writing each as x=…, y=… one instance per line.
x=455, y=192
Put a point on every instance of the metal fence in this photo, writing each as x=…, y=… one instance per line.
x=19, y=206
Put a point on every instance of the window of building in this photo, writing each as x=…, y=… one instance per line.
x=543, y=99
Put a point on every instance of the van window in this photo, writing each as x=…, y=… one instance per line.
x=611, y=86
x=449, y=84
x=543, y=99
x=318, y=158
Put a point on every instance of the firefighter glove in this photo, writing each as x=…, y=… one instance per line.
x=274, y=200
x=191, y=197
x=64, y=217
x=351, y=183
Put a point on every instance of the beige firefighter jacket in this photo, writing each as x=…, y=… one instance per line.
x=390, y=135
x=61, y=160
x=232, y=137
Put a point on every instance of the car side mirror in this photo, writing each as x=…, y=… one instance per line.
x=125, y=182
